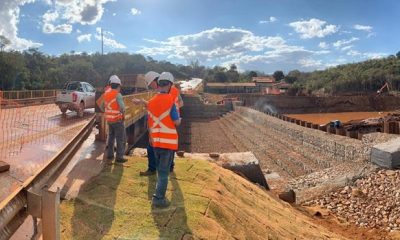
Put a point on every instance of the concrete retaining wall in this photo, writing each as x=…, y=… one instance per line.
x=302, y=104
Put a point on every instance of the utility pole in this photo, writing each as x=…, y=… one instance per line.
x=102, y=42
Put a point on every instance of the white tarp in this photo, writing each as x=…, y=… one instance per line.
x=190, y=84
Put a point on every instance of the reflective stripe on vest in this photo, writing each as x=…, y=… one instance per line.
x=111, y=111
x=162, y=130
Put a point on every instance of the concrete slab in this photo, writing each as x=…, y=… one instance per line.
x=387, y=154
x=246, y=164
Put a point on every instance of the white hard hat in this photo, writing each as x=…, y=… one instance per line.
x=150, y=77
x=166, y=76
x=115, y=79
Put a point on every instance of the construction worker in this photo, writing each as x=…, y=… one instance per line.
x=151, y=81
x=163, y=118
x=114, y=109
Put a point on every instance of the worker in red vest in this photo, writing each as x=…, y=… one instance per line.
x=163, y=118
x=114, y=109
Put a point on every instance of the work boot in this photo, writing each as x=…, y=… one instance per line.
x=147, y=173
x=121, y=160
x=160, y=203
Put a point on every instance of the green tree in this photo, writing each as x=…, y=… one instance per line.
x=278, y=75
x=398, y=54
x=252, y=74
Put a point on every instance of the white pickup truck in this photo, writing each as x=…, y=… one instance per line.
x=76, y=96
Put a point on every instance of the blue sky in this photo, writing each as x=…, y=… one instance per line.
x=255, y=35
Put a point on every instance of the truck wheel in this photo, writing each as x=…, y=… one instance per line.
x=81, y=108
x=63, y=110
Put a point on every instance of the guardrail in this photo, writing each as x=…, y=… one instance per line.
x=28, y=94
x=133, y=111
x=33, y=197
x=14, y=99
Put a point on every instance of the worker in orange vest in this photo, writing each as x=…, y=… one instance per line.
x=163, y=118
x=114, y=109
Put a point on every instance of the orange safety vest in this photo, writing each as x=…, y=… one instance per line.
x=112, y=111
x=162, y=130
x=175, y=95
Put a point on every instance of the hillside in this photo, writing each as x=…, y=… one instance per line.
x=207, y=203
x=367, y=76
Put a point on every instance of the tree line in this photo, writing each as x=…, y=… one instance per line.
x=32, y=69
x=362, y=77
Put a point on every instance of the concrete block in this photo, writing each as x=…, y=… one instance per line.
x=387, y=154
x=245, y=164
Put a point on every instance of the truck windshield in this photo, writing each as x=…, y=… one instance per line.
x=73, y=87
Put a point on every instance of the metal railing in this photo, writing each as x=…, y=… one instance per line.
x=135, y=111
x=33, y=198
x=28, y=94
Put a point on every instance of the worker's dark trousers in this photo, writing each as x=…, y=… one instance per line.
x=116, y=131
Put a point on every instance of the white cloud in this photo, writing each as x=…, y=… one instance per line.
x=363, y=28
x=50, y=16
x=78, y=31
x=323, y=45
x=346, y=48
x=343, y=42
x=62, y=28
x=232, y=45
x=135, y=11
x=311, y=63
x=108, y=41
x=271, y=20
x=313, y=28
x=114, y=14
x=67, y=12
x=371, y=34
x=48, y=24
x=84, y=37
x=213, y=43
x=9, y=19
x=366, y=55
x=83, y=12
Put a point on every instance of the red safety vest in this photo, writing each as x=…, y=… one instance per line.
x=162, y=130
x=112, y=112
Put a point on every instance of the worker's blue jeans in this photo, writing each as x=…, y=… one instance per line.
x=163, y=163
x=116, y=131
x=152, y=159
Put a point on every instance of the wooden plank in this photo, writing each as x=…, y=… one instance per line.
x=4, y=166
